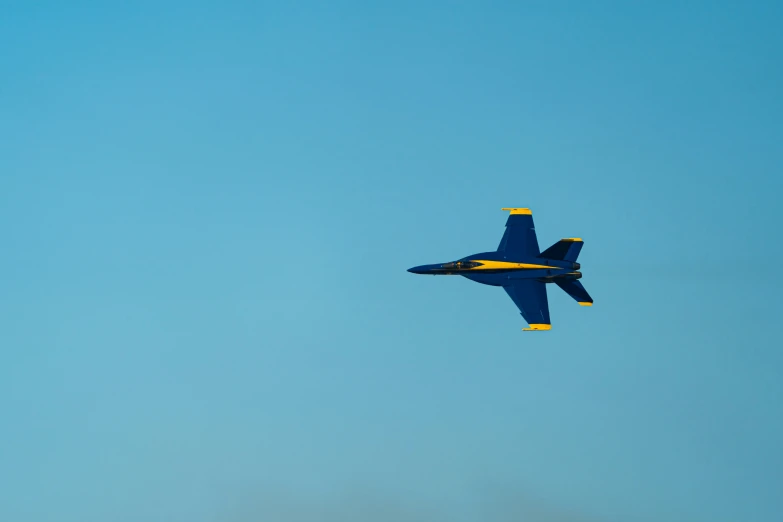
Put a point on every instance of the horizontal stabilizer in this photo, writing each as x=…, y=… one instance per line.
x=575, y=289
x=564, y=250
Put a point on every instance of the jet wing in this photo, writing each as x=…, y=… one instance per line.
x=530, y=297
x=519, y=241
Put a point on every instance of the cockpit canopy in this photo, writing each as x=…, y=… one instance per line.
x=457, y=265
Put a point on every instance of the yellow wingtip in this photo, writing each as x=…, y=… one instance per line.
x=572, y=239
x=537, y=328
x=586, y=303
x=523, y=211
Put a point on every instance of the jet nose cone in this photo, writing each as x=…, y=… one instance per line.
x=418, y=269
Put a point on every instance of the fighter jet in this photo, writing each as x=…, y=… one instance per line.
x=522, y=270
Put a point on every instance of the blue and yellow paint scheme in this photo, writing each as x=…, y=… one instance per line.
x=522, y=270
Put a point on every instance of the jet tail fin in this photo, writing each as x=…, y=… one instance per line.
x=575, y=289
x=564, y=250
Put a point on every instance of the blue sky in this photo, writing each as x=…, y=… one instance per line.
x=207, y=212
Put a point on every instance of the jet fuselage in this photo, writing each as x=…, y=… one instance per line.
x=489, y=268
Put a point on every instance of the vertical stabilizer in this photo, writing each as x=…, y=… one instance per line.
x=564, y=250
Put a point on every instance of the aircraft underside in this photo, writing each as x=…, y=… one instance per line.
x=522, y=270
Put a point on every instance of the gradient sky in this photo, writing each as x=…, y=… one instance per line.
x=207, y=210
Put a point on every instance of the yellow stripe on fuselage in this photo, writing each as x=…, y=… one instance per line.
x=504, y=265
